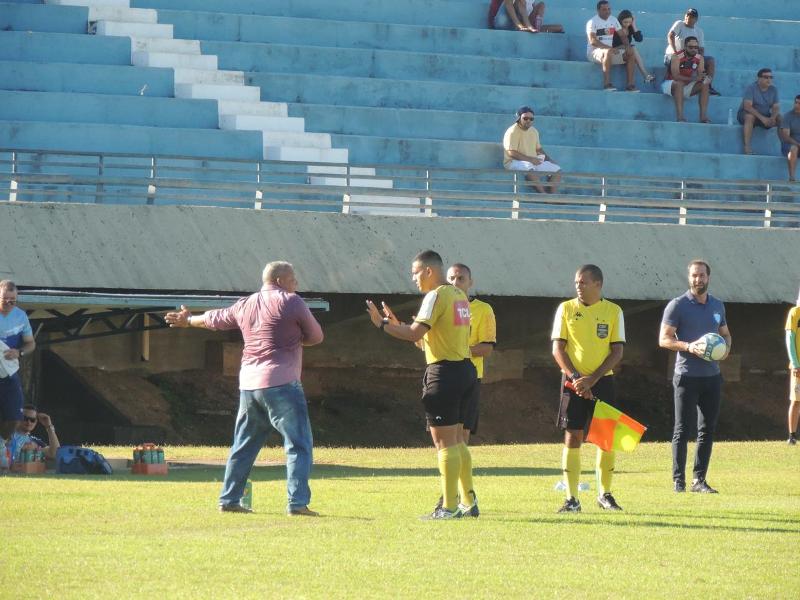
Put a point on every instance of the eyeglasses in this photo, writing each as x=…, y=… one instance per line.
x=527, y=118
x=4, y=301
x=29, y=419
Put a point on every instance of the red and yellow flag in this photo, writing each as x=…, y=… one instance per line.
x=612, y=429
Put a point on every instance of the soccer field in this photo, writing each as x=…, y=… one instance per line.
x=124, y=536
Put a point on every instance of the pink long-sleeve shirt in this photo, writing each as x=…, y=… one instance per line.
x=275, y=325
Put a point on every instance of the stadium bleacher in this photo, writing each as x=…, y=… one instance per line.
x=419, y=82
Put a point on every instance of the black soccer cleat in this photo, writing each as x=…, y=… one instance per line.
x=680, y=486
x=607, y=502
x=571, y=505
x=699, y=486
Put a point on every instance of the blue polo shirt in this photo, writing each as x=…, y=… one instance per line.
x=14, y=326
x=692, y=320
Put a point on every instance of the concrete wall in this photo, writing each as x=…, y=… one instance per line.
x=181, y=248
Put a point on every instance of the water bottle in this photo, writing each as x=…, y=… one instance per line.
x=730, y=116
x=247, y=498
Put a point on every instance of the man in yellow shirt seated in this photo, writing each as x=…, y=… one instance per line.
x=522, y=151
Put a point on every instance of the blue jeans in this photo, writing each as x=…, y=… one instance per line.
x=283, y=406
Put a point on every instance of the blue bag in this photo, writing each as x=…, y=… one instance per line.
x=74, y=460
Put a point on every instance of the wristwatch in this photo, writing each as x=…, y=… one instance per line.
x=575, y=375
x=384, y=322
x=21, y=353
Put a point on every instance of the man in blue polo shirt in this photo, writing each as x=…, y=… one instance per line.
x=697, y=383
x=16, y=340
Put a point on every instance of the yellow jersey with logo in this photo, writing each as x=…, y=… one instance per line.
x=589, y=332
x=482, y=328
x=793, y=325
x=446, y=311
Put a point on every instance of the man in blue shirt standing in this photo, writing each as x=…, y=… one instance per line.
x=697, y=383
x=16, y=340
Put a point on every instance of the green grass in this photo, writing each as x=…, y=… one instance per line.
x=124, y=536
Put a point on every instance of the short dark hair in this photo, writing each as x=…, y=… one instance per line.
x=797, y=97
x=594, y=272
x=689, y=39
x=463, y=267
x=699, y=261
x=599, y=4
x=764, y=70
x=430, y=258
x=30, y=407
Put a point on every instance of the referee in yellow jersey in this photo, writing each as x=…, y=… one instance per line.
x=450, y=377
x=588, y=338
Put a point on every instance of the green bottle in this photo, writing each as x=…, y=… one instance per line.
x=247, y=499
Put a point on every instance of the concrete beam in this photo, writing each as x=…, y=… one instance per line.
x=217, y=249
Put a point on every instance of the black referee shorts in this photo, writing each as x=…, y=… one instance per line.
x=446, y=390
x=575, y=412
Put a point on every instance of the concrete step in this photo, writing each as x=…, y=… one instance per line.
x=217, y=92
x=203, y=76
x=306, y=154
x=104, y=3
x=165, y=45
x=175, y=60
x=261, y=123
x=331, y=170
x=122, y=15
x=259, y=109
x=63, y=48
x=339, y=181
x=92, y=137
x=42, y=18
x=460, y=154
x=149, y=30
x=297, y=140
x=68, y=107
x=85, y=78
x=567, y=131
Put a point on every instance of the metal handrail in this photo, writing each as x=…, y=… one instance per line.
x=439, y=190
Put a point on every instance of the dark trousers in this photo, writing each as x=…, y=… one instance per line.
x=695, y=398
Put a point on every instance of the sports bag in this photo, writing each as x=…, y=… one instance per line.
x=74, y=460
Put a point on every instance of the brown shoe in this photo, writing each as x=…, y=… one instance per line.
x=302, y=512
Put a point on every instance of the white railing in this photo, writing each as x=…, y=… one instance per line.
x=46, y=176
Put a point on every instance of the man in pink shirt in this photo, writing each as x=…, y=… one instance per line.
x=275, y=324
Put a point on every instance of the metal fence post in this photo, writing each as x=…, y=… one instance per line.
x=682, y=212
x=99, y=189
x=151, y=187
x=258, y=204
x=428, y=197
x=515, y=201
x=601, y=217
x=12, y=190
x=767, y=211
x=347, y=198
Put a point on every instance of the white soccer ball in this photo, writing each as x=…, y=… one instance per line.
x=713, y=346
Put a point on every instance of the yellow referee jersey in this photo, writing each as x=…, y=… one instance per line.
x=793, y=324
x=446, y=311
x=589, y=332
x=482, y=328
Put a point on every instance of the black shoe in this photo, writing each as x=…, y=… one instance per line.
x=470, y=510
x=699, y=486
x=571, y=504
x=712, y=91
x=236, y=508
x=442, y=513
x=680, y=486
x=792, y=440
x=607, y=502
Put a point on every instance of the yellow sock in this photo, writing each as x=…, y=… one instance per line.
x=465, y=475
x=449, y=467
x=571, y=464
x=604, y=470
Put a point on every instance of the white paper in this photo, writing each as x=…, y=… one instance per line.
x=7, y=367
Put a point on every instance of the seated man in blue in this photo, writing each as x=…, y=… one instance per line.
x=16, y=340
x=30, y=418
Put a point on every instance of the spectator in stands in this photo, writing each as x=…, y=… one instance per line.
x=23, y=435
x=600, y=31
x=790, y=137
x=628, y=23
x=676, y=40
x=523, y=15
x=686, y=78
x=275, y=324
x=522, y=151
x=759, y=108
x=16, y=340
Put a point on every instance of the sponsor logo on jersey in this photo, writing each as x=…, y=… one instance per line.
x=461, y=313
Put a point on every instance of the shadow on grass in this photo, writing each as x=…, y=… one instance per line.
x=196, y=473
x=632, y=520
